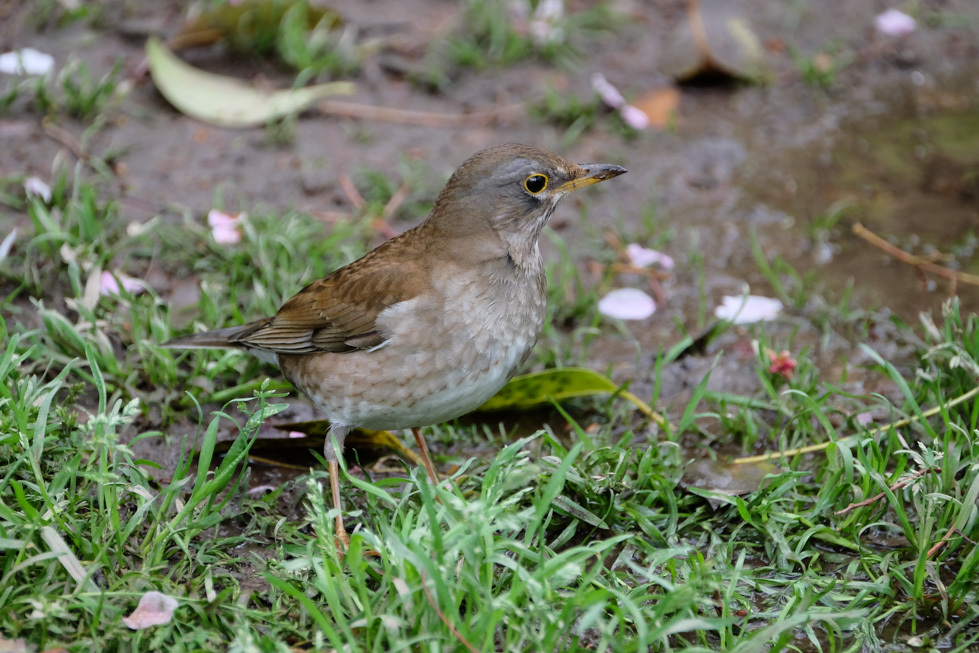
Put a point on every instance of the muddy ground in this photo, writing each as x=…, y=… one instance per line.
x=894, y=135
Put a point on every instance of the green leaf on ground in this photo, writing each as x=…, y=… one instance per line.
x=226, y=101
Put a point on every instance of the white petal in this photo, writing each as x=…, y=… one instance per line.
x=894, y=23
x=634, y=117
x=226, y=235
x=154, y=609
x=35, y=186
x=7, y=244
x=26, y=62
x=746, y=309
x=609, y=94
x=643, y=257
x=115, y=284
x=627, y=304
x=216, y=218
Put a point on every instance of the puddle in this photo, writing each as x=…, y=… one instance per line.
x=910, y=174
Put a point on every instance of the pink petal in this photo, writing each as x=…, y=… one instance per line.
x=226, y=235
x=894, y=23
x=154, y=609
x=543, y=27
x=747, y=309
x=609, y=94
x=224, y=226
x=109, y=284
x=216, y=218
x=627, y=304
x=7, y=244
x=863, y=418
x=634, y=116
x=36, y=187
x=643, y=257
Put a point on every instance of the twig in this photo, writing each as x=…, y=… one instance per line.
x=920, y=263
x=940, y=544
x=419, y=118
x=904, y=482
x=348, y=188
x=445, y=620
x=66, y=138
x=874, y=431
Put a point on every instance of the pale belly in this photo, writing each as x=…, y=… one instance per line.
x=437, y=364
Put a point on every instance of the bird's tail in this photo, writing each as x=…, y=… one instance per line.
x=217, y=339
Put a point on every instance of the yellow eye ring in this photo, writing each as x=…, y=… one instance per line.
x=535, y=183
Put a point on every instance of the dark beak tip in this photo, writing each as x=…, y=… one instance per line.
x=603, y=171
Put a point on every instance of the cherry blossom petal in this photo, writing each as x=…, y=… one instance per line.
x=744, y=309
x=634, y=117
x=225, y=226
x=894, y=23
x=115, y=283
x=38, y=188
x=627, y=304
x=7, y=244
x=27, y=61
x=609, y=94
x=863, y=418
x=226, y=235
x=643, y=257
x=154, y=609
x=543, y=26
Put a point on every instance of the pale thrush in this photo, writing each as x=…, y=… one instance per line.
x=431, y=324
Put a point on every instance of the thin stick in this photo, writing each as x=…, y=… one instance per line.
x=911, y=259
x=419, y=118
x=940, y=544
x=874, y=431
x=66, y=138
x=433, y=475
x=897, y=486
x=445, y=620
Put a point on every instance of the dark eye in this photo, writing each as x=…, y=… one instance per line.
x=535, y=183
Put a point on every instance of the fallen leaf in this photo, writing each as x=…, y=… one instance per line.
x=532, y=390
x=716, y=38
x=627, y=304
x=660, y=105
x=226, y=101
x=250, y=26
x=154, y=609
x=716, y=480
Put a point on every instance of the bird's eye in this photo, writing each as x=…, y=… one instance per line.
x=535, y=184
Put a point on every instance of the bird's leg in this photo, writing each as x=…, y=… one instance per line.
x=433, y=476
x=343, y=540
x=332, y=450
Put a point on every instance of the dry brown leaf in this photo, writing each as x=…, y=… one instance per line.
x=661, y=105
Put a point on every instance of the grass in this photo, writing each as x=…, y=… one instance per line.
x=578, y=542
x=593, y=535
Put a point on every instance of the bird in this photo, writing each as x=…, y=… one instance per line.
x=431, y=324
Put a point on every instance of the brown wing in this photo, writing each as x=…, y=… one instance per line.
x=338, y=313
